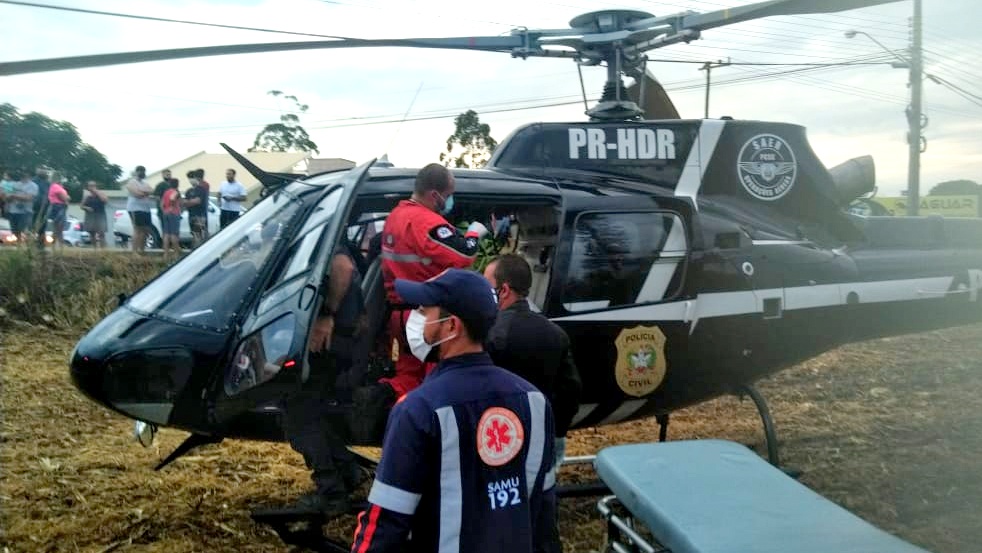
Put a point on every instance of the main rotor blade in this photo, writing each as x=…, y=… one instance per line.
x=486, y=44
x=772, y=8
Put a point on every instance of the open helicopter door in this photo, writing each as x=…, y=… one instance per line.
x=269, y=359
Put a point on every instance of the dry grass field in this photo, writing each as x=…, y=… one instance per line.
x=890, y=429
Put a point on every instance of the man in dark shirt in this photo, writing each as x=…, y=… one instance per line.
x=40, y=223
x=531, y=345
x=196, y=202
x=158, y=194
x=312, y=428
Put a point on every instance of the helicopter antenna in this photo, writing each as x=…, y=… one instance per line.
x=579, y=69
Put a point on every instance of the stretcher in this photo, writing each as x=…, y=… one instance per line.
x=715, y=496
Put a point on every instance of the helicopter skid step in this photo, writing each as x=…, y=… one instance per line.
x=302, y=527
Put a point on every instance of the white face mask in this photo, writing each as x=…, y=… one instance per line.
x=414, y=335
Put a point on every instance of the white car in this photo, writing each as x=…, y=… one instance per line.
x=123, y=226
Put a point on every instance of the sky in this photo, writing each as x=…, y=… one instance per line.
x=159, y=113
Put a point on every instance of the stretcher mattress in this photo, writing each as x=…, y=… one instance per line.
x=714, y=496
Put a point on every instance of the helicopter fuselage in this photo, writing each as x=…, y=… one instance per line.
x=685, y=259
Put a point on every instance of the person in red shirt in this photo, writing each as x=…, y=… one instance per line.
x=170, y=216
x=417, y=244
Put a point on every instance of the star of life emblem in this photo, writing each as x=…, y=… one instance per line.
x=500, y=436
x=767, y=167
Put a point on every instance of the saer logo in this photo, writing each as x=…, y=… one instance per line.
x=767, y=167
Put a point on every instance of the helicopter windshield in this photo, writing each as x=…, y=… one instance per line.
x=207, y=288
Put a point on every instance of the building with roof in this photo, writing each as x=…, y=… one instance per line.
x=215, y=166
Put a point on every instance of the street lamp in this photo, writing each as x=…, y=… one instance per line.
x=904, y=62
x=915, y=120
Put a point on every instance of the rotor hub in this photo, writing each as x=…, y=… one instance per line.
x=607, y=21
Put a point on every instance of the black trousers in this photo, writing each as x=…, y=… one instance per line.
x=314, y=418
x=227, y=218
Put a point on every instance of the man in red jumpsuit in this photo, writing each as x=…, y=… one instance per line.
x=417, y=244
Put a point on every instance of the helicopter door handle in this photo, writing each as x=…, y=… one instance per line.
x=307, y=296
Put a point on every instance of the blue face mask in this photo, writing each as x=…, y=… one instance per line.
x=447, y=204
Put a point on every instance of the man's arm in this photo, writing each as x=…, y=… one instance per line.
x=397, y=490
x=568, y=388
x=342, y=273
x=448, y=248
x=192, y=199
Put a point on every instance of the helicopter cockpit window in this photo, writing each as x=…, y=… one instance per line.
x=287, y=278
x=624, y=259
x=215, y=278
x=260, y=356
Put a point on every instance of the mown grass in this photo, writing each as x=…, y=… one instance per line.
x=70, y=290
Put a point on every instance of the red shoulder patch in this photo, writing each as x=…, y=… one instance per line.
x=500, y=436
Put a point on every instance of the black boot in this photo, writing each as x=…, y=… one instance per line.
x=329, y=505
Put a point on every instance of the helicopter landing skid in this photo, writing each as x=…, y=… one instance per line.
x=301, y=528
x=770, y=433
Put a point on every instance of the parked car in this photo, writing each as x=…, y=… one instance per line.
x=6, y=235
x=123, y=227
x=72, y=233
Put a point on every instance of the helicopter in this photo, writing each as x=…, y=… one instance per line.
x=686, y=259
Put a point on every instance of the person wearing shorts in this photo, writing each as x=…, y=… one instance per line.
x=58, y=211
x=196, y=202
x=170, y=205
x=20, y=207
x=94, y=205
x=139, y=204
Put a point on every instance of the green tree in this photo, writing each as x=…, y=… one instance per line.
x=32, y=140
x=960, y=187
x=471, y=144
x=287, y=135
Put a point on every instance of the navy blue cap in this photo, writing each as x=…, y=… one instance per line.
x=463, y=293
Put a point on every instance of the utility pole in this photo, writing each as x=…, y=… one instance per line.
x=915, y=139
x=708, y=68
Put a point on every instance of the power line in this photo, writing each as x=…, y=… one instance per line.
x=389, y=8
x=167, y=20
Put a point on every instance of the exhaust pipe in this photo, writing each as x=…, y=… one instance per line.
x=854, y=178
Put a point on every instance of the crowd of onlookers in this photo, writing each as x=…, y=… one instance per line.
x=167, y=200
x=31, y=202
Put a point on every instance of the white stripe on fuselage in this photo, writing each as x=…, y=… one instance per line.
x=698, y=161
x=625, y=410
x=725, y=304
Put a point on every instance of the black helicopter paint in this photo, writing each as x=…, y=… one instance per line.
x=684, y=258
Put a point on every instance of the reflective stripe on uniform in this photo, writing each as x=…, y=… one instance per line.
x=405, y=258
x=537, y=440
x=550, y=479
x=393, y=498
x=451, y=492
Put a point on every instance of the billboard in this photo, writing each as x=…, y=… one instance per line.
x=946, y=206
